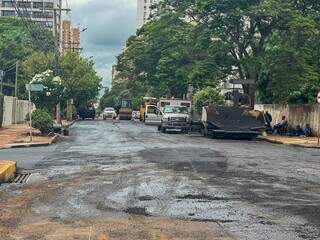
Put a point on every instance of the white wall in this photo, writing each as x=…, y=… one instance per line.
x=14, y=110
x=296, y=114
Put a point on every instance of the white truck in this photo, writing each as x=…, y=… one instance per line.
x=175, y=118
x=156, y=115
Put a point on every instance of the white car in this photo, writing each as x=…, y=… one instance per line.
x=109, y=113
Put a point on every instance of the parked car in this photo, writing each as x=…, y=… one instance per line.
x=109, y=113
x=136, y=115
x=175, y=118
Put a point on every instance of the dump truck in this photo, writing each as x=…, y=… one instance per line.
x=225, y=122
x=147, y=101
x=87, y=112
x=125, y=111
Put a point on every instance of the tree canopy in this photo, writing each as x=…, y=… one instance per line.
x=204, y=42
x=17, y=43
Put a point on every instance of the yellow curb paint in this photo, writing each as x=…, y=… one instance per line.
x=8, y=170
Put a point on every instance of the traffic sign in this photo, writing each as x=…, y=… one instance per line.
x=34, y=87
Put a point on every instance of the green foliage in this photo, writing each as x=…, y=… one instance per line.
x=52, y=93
x=79, y=80
x=206, y=97
x=41, y=120
x=1, y=108
x=17, y=43
x=169, y=54
x=276, y=43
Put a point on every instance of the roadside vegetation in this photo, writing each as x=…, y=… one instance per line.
x=73, y=77
x=203, y=42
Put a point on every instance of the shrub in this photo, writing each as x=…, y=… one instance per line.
x=205, y=97
x=1, y=108
x=41, y=120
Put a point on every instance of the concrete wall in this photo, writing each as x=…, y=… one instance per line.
x=14, y=110
x=296, y=114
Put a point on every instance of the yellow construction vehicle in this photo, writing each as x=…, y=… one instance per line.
x=125, y=112
x=145, y=102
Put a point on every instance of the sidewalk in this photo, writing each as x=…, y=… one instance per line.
x=18, y=136
x=308, y=142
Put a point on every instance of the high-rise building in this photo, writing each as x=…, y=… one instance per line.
x=41, y=11
x=144, y=11
x=70, y=37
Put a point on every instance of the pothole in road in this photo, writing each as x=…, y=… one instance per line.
x=142, y=211
x=146, y=198
x=202, y=197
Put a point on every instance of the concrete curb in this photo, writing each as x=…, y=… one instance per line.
x=53, y=140
x=8, y=171
x=287, y=144
x=70, y=124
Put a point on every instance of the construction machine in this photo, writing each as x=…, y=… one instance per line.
x=146, y=101
x=232, y=122
x=125, y=111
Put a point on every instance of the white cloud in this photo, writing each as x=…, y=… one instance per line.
x=109, y=23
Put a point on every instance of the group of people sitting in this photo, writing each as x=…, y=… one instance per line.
x=282, y=127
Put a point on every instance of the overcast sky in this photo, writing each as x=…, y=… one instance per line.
x=109, y=23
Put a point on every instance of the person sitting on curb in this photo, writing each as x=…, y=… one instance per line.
x=308, y=131
x=297, y=132
x=282, y=126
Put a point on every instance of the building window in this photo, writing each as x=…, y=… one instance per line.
x=24, y=4
x=48, y=5
x=7, y=4
x=6, y=13
x=38, y=5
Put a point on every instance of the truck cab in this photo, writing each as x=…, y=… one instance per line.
x=153, y=115
x=175, y=118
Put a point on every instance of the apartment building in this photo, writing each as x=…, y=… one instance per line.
x=70, y=37
x=41, y=11
x=143, y=11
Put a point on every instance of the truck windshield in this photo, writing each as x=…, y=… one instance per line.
x=174, y=109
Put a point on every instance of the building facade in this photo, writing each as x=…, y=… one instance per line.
x=40, y=11
x=143, y=11
x=70, y=38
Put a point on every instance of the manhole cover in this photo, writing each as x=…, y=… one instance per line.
x=21, y=178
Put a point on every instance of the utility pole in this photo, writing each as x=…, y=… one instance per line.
x=16, y=80
x=57, y=13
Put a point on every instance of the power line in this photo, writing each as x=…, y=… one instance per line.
x=29, y=27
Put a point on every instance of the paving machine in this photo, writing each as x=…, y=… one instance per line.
x=125, y=111
x=224, y=122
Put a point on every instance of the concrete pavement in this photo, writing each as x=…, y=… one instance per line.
x=127, y=181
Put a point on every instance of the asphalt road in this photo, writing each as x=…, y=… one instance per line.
x=125, y=180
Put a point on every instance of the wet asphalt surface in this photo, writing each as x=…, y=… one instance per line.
x=251, y=189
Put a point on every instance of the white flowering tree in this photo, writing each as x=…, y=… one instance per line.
x=52, y=93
